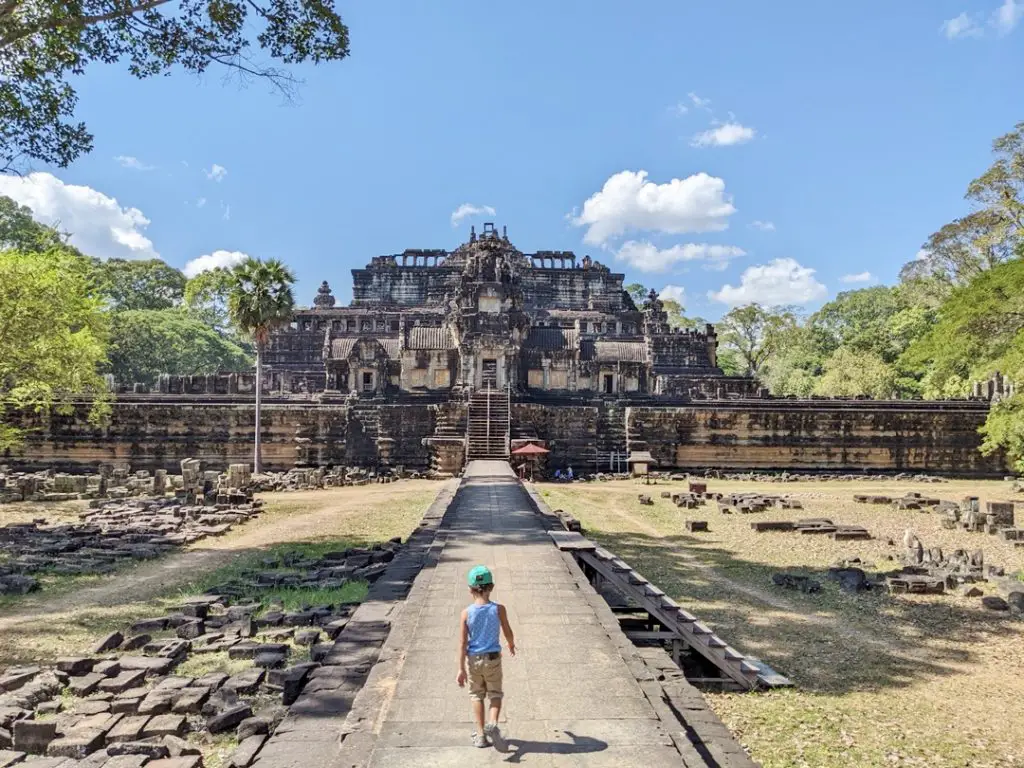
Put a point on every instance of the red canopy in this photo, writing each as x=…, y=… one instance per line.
x=530, y=450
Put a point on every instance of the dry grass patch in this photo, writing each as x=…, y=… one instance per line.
x=41, y=626
x=880, y=680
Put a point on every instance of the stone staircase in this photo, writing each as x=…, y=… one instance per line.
x=488, y=425
x=610, y=449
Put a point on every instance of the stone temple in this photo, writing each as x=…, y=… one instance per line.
x=447, y=356
x=487, y=316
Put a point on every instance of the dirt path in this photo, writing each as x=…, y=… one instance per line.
x=321, y=513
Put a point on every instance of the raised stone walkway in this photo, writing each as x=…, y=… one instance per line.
x=577, y=692
x=571, y=697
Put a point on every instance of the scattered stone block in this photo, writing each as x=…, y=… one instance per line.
x=9, y=757
x=33, y=736
x=244, y=753
x=125, y=761
x=152, y=750
x=185, y=761
x=791, y=581
x=76, y=666
x=127, y=729
x=164, y=725
x=77, y=744
x=696, y=526
x=83, y=686
x=124, y=681
x=191, y=629
x=995, y=603
x=16, y=677
x=190, y=700
x=229, y=719
x=107, y=668
x=109, y=643
x=97, y=707
x=135, y=642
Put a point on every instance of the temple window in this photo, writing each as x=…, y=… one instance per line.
x=336, y=325
x=307, y=325
x=394, y=325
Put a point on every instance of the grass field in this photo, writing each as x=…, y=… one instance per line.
x=879, y=680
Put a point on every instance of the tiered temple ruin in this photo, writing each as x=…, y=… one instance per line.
x=489, y=316
x=447, y=356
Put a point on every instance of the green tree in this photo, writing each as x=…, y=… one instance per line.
x=754, y=334
x=206, y=297
x=147, y=342
x=140, y=284
x=979, y=329
x=18, y=230
x=989, y=235
x=46, y=46
x=797, y=364
x=260, y=300
x=856, y=373
x=52, y=336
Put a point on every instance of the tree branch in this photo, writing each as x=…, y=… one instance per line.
x=73, y=22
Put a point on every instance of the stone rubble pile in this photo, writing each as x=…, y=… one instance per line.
x=814, y=526
x=308, y=479
x=136, y=528
x=122, y=706
x=931, y=571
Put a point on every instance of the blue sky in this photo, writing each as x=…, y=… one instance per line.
x=847, y=133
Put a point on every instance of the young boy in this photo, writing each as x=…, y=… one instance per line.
x=480, y=646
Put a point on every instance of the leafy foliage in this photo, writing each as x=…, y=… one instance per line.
x=45, y=45
x=140, y=284
x=18, y=230
x=754, y=333
x=52, y=335
x=206, y=297
x=147, y=342
x=260, y=298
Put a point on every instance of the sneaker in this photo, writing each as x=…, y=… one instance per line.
x=480, y=740
x=492, y=732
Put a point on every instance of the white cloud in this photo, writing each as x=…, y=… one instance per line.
x=225, y=211
x=724, y=135
x=673, y=293
x=1007, y=16
x=468, y=209
x=208, y=261
x=99, y=226
x=200, y=202
x=647, y=257
x=627, y=201
x=680, y=109
x=782, y=281
x=860, y=277
x=961, y=26
x=217, y=172
x=127, y=161
x=764, y=226
x=699, y=102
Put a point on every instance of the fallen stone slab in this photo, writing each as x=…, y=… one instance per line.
x=150, y=749
x=15, y=677
x=229, y=719
x=124, y=681
x=244, y=753
x=164, y=725
x=83, y=686
x=9, y=757
x=77, y=744
x=33, y=736
x=127, y=729
x=185, y=761
x=124, y=761
x=76, y=666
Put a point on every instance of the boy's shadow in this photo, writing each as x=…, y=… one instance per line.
x=580, y=745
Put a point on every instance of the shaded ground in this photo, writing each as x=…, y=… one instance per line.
x=67, y=620
x=881, y=681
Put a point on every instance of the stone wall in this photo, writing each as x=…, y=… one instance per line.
x=157, y=432
x=937, y=437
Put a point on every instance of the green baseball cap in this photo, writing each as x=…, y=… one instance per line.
x=480, y=576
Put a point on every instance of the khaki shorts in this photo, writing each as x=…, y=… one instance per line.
x=484, y=678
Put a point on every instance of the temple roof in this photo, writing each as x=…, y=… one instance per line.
x=617, y=351
x=552, y=339
x=342, y=348
x=430, y=338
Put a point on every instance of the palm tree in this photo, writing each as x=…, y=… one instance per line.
x=260, y=300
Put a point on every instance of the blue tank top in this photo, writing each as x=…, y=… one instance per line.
x=483, y=623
